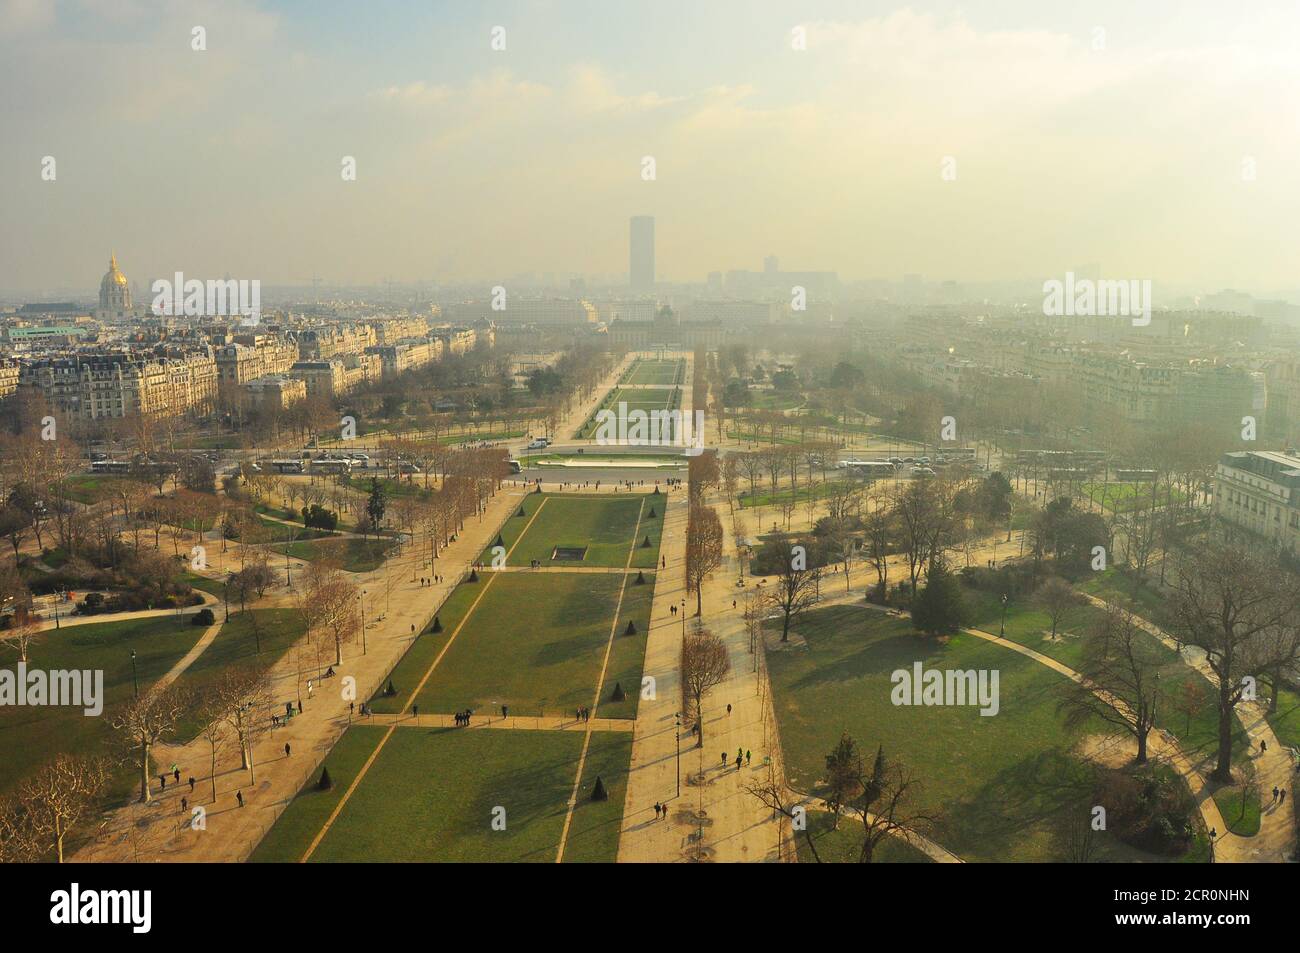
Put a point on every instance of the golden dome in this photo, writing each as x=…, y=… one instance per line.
x=113, y=277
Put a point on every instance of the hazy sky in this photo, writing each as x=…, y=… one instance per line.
x=478, y=164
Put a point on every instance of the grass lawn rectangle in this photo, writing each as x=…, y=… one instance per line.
x=594, y=830
x=646, y=399
x=353, y=555
x=292, y=833
x=432, y=795
x=654, y=372
x=535, y=643
x=603, y=524
x=998, y=784
x=406, y=674
x=627, y=656
x=30, y=735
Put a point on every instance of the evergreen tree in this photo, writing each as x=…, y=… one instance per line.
x=940, y=607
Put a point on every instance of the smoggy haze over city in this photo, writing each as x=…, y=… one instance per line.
x=1151, y=139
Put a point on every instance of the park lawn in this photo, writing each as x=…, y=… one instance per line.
x=604, y=524
x=651, y=528
x=432, y=794
x=1286, y=720
x=801, y=495
x=997, y=784
x=406, y=674
x=353, y=555
x=264, y=530
x=237, y=644
x=1242, y=819
x=409, y=485
x=89, y=488
x=841, y=845
x=594, y=830
x=29, y=735
x=654, y=372
x=1195, y=728
x=215, y=587
x=534, y=643
x=644, y=399
x=627, y=655
x=1126, y=497
x=307, y=813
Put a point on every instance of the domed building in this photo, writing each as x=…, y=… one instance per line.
x=114, y=295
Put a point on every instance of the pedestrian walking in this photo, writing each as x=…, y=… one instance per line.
x=1275, y=794
x=239, y=796
x=286, y=749
x=185, y=804
x=162, y=782
x=1263, y=746
x=176, y=774
x=747, y=756
x=724, y=759
x=657, y=809
x=191, y=784
x=740, y=755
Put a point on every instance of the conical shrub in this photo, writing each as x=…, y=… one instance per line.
x=598, y=793
x=325, y=783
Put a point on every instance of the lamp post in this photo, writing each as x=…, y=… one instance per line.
x=362, y=599
x=683, y=618
x=1002, y=633
x=135, y=679
x=678, y=722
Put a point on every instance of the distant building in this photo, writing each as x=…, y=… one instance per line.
x=1259, y=490
x=278, y=393
x=114, y=295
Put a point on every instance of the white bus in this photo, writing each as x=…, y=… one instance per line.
x=333, y=466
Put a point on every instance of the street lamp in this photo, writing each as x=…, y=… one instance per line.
x=362, y=599
x=683, y=618
x=135, y=679
x=1003, y=632
x=678, y=722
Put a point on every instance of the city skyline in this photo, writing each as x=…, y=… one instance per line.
x=227, y=160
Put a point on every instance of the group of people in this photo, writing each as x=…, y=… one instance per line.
x=426, y=581
x=462, y=717
x=1279, y=795
x=176, y=777
x=584, y=714
x=742, y=758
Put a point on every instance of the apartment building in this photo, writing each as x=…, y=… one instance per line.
x=1259, y=490
x=254, y=356
x=275, y=393
x=97, y=386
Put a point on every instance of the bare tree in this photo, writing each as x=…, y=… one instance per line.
x=703, y=550
x=1237, y=605
x=796, y=589
x=1120, y=682
x=56, y=798
x=1056, y=597
x=704, y=665
x=23, y=632
x=146, y=721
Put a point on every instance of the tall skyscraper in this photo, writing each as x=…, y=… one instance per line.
x=641, y=254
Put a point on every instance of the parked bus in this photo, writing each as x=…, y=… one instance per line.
x=333, y=466
x=1135, y=476
x=110, y=466
x=287, y=466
